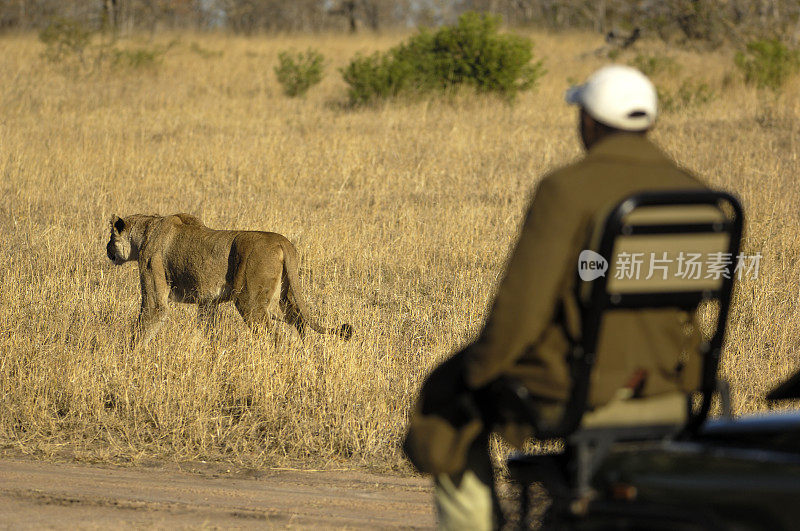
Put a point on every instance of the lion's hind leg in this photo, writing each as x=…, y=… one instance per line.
x=258, y=307
x=257, y=296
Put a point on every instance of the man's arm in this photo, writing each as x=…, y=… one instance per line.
x=526, y=299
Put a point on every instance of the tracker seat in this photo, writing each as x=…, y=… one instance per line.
x=671, y=226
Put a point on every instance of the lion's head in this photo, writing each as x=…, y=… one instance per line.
x=119, y=248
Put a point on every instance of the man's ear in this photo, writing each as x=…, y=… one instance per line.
x=118, y=223
x=588, y=129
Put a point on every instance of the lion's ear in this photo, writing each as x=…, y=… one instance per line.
x=118, y=223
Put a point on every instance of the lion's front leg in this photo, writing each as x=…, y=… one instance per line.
x=148, y=325
x=155, y=294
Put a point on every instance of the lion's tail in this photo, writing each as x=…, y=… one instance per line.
x=291, y=267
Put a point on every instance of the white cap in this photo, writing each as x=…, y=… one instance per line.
x=618, y=96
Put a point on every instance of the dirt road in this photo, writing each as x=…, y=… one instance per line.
x=53, y=495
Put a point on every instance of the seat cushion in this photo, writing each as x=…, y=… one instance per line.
x=665, y=409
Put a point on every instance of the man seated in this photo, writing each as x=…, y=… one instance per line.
x=535, y=314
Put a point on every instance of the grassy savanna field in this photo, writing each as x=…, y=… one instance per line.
x=403, y=214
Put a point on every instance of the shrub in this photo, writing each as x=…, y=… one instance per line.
x=68, y=43
x=65, y=40
x=768, y=63
x=139, y=57
x=377, y=76
x=470, y=53
x=299, y=72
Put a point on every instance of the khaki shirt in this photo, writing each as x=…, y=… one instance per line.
x=535, y=307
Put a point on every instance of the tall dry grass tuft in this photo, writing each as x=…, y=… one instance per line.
x=403, y=214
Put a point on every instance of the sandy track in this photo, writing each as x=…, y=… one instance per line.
x=54, y=495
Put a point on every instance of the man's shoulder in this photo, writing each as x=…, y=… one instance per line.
x=591, y=184
x=624, y=162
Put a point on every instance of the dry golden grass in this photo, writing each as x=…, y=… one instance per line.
x=403, y=215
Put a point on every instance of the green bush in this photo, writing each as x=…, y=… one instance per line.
x=470, y=53
x=377, y=76
x=768, y=63
x=298, y=72
x=68, y=43
x=142, y=57
x=65, y=40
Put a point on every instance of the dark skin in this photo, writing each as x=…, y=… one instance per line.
x=593, y=131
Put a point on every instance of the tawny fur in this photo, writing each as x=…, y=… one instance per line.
x=182, y=260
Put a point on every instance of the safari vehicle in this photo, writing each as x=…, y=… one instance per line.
x=660, y=462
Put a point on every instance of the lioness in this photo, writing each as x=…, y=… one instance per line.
x=183, y=260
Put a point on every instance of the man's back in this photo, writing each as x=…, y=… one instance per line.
x=651, y=344
x=535, y=311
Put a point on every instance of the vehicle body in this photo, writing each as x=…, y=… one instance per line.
x=732, y=474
